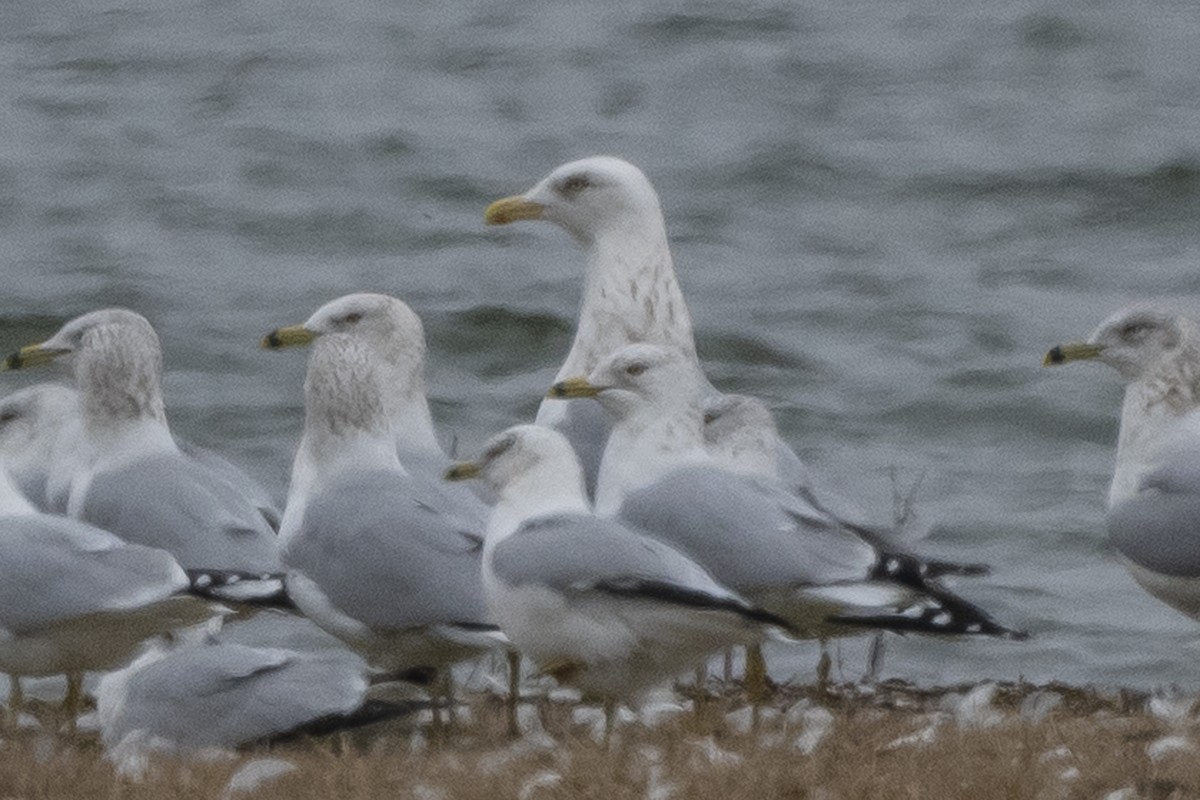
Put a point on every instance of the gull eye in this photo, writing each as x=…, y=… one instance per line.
x=8, y=416
x=1132, y=330
x=575, y=184
x=352, y=317
x=635, y=369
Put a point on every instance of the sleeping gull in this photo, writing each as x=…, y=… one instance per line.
x=74, y=598
x=591, y=601
x=219, y=696
x=1154, y=499
x=630, y=292
x=752, y=534
x=373, y=554
x=39, y=428
x=130, y=477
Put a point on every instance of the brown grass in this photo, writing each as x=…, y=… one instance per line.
x=1087, y=746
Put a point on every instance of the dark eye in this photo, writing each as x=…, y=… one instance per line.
x=1131, y=330
x=635, y=369
x=352, y=318
x=7, y=416
x=575, y=184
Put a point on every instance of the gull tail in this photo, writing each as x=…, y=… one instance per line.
x=236, y=586
x=936, y=612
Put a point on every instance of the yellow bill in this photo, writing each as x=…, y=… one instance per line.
x=573, y=387
x=31, y=356
x=462, y=470
x=511, y=209
x=291, y=336
x=1076, y=351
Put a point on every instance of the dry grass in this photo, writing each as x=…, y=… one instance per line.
x=895, y=742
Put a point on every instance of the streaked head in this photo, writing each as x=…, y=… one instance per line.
x=385, y=324
x=585, y=197
x=108, y=329
x=1134, y=341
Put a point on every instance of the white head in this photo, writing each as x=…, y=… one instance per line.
x=31, y=423
x=524, y=458
x=740, y=434
x=117, y=363
x=587, y=198
x=636, y=378
x=1136, y=342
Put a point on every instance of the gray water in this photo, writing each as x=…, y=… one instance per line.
x=882, y=212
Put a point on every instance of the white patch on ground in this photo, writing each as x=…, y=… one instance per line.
x=255, y=775
x=546, y=779
x=707, y=751
x=1169, y=745
x=818, y=723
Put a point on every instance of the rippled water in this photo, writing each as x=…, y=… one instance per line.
x=882, y=213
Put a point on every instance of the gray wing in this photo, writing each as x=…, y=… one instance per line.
x=53, y=569
x=748, y=535
x=178, y=504
x=586, y=426
x=272, y=627
x=385, y=554
x=225, y=695
x=237, y=478
x=578, y=551
x=1159, y=527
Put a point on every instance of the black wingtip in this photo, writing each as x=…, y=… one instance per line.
x=259, y=589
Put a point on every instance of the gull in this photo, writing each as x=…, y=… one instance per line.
x=128, y=475
x=374, y=553
x=591, y=601
x=1153, y=517
x=630, y=295
x=75, y=598
x=753, y=534
x=39, y=426
x=221, y=695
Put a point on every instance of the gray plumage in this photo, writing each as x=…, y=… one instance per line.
x=221, y=695
x=1158, y=528
x=171, y=501
x=53, y=569
x=577, y=552
x=387, y=555
x=748, y=535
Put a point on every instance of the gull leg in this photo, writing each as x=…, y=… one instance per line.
x=756, y=680
x=514, y=692
x=437, y=725
x=16, y=701
x=73, y=700
x=874, y=660
x=824, y=668
x=610, y=715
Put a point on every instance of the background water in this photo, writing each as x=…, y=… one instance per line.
x=882, y=212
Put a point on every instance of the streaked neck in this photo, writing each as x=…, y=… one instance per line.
x=630, y=295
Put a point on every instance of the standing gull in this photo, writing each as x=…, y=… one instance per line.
x=752, y=534
x=129, y=476
x=75, y=598
x=1154, y=500
x=372, y=554
x=630, y=292
x=588, y=599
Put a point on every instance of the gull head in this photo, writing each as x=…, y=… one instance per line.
x=1135, y=342
x=384, y=324
x=31, y=419
x=520, y=454
x=636, y=377
x=110, y=330
x=740, y=434
x=586, y=198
